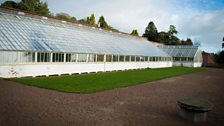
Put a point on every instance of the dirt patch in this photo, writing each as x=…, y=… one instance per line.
x=147, y=104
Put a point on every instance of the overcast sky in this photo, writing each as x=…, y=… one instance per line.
x=200, y=20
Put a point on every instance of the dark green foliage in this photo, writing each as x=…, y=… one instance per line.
x=85, y=21
x=82, y=21
x=219, y=57
x=73, y=19
x=92, y=20
x=10, y=4
x=167, y=38
x=173, y=40
x=105, y=81
x=33, y=6
x=187, y=42
x=151, y=32
x=135, y=32
x=172, y=31
x=63, y=16
x=66, y=17
x=112, y=29
x=163, y=37
x=102, y=23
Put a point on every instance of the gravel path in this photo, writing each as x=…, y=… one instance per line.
x=142, y=105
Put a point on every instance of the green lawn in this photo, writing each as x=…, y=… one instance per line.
x=104, y=81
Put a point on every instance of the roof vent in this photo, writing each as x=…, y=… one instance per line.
x=45, y=18
x=21, y=13
x=63, y=21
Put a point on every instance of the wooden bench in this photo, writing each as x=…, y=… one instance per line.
x=194, y=109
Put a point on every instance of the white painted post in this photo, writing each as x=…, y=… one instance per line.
x=87, y=58
x=64, y=57
x=111, y=58
x=51, y=57
x=35, y=57
x=104, y=59
x=77, y=56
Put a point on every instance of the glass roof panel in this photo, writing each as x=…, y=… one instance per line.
x=180, y=51
x=26, y=33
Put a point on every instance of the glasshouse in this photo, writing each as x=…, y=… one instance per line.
x=32, y=45
x=189, y=56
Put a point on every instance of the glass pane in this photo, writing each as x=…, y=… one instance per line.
x=142, y=59
x=108, y=58
x=68, y=57
x=137, y=58
x=133, y=58
x=127, y=58
x=82, y=57
x=121, y=58
x=100, y=58
x=92, y=58
x=73, y=57
x=115, y=58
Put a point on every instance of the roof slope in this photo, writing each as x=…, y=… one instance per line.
x=19, y=32
x=180, y=51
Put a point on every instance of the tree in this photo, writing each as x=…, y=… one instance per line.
x=102, y=23
x=87, y=20
x=43, y=9
x=163, y=37
x=33, y=6
x=66, y=17
x=92, y=20
x=219, y=57
x=73, y=19
x=135, y=32
x=189, y=41
x=10, y=4
x=172, y=30
x=173, y=40
x=63, y=16
x=151, y=32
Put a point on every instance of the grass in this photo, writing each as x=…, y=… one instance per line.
x=105, y=81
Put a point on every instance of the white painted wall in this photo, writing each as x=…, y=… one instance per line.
x=188, y=64
x=197, y=64
x=37, y=69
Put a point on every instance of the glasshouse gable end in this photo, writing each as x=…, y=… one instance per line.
x=188, y=56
